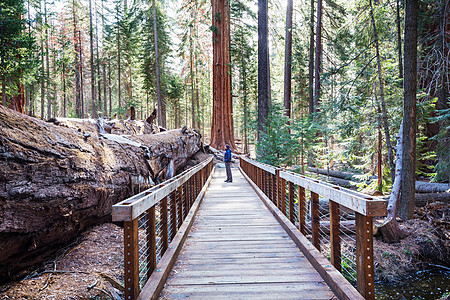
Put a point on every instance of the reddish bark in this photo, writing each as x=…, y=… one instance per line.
x=17, y=102
x=222, y=117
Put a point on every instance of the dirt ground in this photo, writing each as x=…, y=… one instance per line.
x=427, y=244
x=92, y=268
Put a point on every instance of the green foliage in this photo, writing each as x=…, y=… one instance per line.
x=442, y=167
x=277, y=147
x=16, y=47
x=213, y=28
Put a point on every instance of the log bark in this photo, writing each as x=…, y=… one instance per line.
x=346, y=179
x=424, y=199
x=56, y=181
x=432, y=187
x=222, y=132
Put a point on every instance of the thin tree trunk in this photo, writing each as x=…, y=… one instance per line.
x=91, y=38
x=399, y=42
x=244, y=93
x=311, y=60
x=390, y=230
x=105, y=101
x=2, y=54
x=191, y=62
x=77, y=65
x=318, y=61
x=47, y=62
x=118, y=66
x=383, y=103
x=99, y=91
x=409, y=112
x=288, y=59
x=42, y=72
x=81, y=76
x=263, y=66
x=64, y=91
x=161, y=118
x=109, y=89
x=380, y=155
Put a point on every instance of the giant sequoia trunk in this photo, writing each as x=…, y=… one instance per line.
x=222, y=115
x=56, y=180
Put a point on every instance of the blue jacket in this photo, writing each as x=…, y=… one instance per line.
x=227, y=156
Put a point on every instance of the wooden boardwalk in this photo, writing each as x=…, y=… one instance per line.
x=237, y=250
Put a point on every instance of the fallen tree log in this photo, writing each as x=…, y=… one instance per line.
x=432, y=187
x=350, y=180
x=56, y=181
x=427, y=198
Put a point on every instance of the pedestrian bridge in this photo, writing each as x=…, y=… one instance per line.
x=267, y=235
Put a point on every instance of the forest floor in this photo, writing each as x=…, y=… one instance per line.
x=91, y=268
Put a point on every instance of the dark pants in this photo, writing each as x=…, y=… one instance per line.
x=228, y=168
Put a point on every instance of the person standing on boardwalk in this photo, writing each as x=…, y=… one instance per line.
x=227, y=160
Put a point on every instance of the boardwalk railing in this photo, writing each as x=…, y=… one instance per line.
x=151, y=220
x=301, y=200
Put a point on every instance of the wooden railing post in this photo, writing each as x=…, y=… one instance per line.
x=335, y=239
x=291, y=203
x=173, y=215
x=301, y=210
x=263, y=181
x=274, y=189
x=278, y=188
x=164, y=227
x=151, y=241
x=131, y=259
x=185, y=200
x=315, y=220
x=283, y=196
x=179, y=197
x=364, y=256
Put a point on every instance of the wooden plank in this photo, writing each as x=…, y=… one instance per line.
x=262, y=287
x=278, y=189
x=243, y=248
x=151, y=241
x=301, y=210
x=335, y=239
x=364, y=256
x=340, y=286
x=245, y=279
x=131, y=259
x=291, y=203
x=261, y=267
x=363, y=204
x=315, y=220
x=234, y=272
x=283, y=195
x=233, y=255
x=173, y=214
x=164, y=225
x=156, y=282
x=179, y=199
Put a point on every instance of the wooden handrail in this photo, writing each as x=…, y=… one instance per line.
x=141, y=218
x=133, y=207
x=282, y=186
